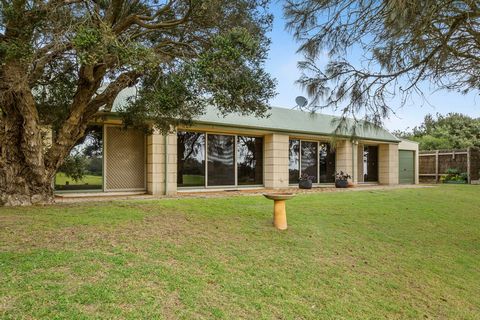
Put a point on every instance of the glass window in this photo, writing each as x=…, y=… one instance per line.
x=309, y=161
x=190, y=159
x=83, y=168
x=250, y=160
x=293, y=161
x=370, y=163
x=221, y=160
x=327, y=163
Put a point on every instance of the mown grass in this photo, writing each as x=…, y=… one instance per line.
x=409, y=253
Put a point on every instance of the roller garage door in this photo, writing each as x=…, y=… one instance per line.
x=406, y=166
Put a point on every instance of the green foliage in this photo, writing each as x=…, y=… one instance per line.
x=74, y=166
x=454, y=175
x=202, y=52
x=231, y=71
x=228, y=75
x=86, y=38
x=86, y=157
x=452, y=131
x=402, y=45
x=67, y=61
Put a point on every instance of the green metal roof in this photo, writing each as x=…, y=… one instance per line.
x=295, y=121
x=281, y=120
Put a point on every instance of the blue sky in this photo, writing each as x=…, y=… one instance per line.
x=282, y=65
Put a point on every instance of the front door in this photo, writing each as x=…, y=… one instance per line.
x=370, y=164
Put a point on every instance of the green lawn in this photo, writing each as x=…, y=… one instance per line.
x=407, y=253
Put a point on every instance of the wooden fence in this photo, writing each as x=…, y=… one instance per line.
x=434, y=164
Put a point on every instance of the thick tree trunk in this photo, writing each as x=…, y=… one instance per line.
x=17, y=188
x=24, y=179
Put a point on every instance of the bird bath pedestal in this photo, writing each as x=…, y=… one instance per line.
x=279, y=212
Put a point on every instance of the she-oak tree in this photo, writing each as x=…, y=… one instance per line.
x=399, y=45
x=63, y=61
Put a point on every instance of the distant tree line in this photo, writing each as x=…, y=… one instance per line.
x=451, y=131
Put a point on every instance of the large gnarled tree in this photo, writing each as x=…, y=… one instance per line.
x=62, y=61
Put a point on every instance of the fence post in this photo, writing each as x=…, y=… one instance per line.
x=436, y=166
x=468, y=166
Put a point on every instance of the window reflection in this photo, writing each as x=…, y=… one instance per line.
x=327, y=163
x=190, y=159
x=293, y=161
x=83, y=168
x=309, y=161
x=221, y=160
x=250, y=160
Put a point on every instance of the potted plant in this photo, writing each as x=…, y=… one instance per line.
x=305, y=181
x=341, y=179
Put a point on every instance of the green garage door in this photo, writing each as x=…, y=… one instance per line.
x=406, y=166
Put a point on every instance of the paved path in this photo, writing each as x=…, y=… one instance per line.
x=88, y=197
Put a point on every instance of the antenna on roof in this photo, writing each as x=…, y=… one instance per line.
x=301, y=101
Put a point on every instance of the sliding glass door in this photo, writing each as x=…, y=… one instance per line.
x=221, y=160
x=249, y=160
x=294, y=161
x=370, y=163
x=327, y=163
x=213, y=160
x=309, y=161
x=313, y=159
x=190, y=159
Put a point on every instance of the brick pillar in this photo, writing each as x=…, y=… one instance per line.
x=344, y=156
x=156, y=175
x=354, y=173
x=388, y=164
x=276, y=161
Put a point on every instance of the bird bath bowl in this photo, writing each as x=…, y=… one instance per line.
x=279, y=211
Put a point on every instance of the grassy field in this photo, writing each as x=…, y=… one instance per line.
x=407, y=253
x=88, y=182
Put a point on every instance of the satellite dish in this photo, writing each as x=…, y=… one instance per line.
x=301, y=101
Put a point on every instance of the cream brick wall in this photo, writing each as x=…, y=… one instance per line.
x=276, y=161
x=343, y=153
x=156, y=149
x=354, y=173
x=388, y=164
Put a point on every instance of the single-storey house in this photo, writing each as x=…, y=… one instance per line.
x=233, y=152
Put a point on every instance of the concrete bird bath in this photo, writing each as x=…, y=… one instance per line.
x=279, y=212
